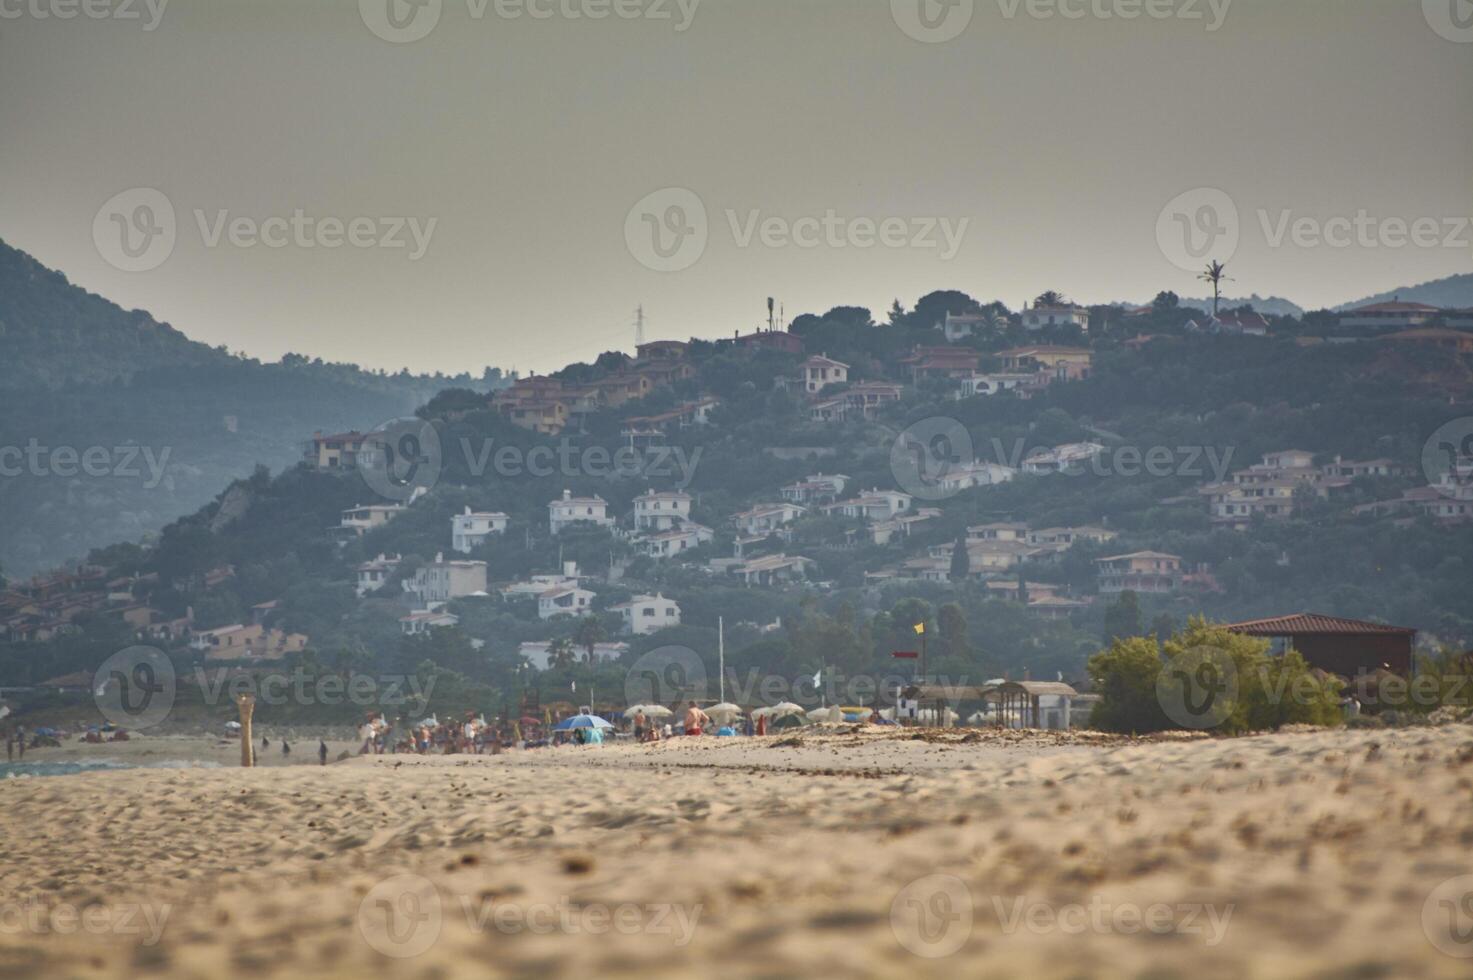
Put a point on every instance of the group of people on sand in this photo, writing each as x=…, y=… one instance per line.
x=471, y=736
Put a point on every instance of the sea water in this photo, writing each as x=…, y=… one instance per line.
x=17, y=770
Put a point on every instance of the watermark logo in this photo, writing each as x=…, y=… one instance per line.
x=143, y=923
x=91, y=9
x=1447, y=917
x=667, y=230
x=1103, y=916
x=401, y=459
x=135, y=687
x=401, y=916
x=932, y=21
x=400, y=21
x=1197, y=225
x=666, y=675
x=135, y=230
x=1212, y=12
x=926, y=453
x=1451, y=19
x=120, y=462
x=932, y=916
x=1199, y=688
x=1447, y=459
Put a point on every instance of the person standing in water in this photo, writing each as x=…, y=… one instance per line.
x=321, y=752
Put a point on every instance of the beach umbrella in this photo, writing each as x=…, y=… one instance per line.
x=723, y=712
x=650, y=711
x=581, y=721
x=784, y=708
x=826, y=715
x=234, y=726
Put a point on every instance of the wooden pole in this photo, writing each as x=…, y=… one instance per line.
x=247, y=705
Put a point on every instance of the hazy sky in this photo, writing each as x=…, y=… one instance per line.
x=529, y=141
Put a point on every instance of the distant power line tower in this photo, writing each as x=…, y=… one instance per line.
x=639, y=325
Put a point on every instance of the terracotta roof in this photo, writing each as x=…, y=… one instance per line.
x=1314, y=623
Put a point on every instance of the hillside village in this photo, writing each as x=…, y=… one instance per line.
x=535, y=570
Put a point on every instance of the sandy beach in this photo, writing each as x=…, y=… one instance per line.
x=855, y=853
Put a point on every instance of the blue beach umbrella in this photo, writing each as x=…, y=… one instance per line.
x=581, y=721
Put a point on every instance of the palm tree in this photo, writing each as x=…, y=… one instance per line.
x=589, y=633
x=1216, y=274
x=1050, y=298
x=560, y=654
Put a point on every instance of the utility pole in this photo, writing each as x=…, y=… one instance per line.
x=639, y=325
x=721, y=657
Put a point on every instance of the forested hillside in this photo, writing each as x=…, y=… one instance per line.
x=167, y=421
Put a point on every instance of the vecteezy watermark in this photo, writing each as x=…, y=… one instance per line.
x=1447, y=917
x=117, y=462
x=402, y=917
x=1103, y=916
x=932, y=21
x=1204, y=223
x=1198, y=225
x=149, y=12
x=137, y=688
x=1211, y=12
x=1198, y=688
x=404, y=458
x=142, y=922
x=932, y=916
x=401, y=21
x=136, y=230
x=1451, y=19
x=567, y=459
x=928, y=456
x=668, y=231
x=401, y=459
x=935, y=21
x=933, y=459
x=666, y=675
x=1447, y=459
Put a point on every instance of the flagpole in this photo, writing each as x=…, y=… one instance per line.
x=721, y=656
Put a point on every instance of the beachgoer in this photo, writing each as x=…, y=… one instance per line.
x=321, y=753
x=762, y=724
x=639, y=726
x=9, y=746
x=20, y=741
x=285, y=748
x=265, y=742
x=695, y=719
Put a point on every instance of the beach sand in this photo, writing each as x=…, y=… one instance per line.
x=868, y=853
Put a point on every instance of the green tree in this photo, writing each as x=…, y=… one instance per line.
x=560, y=655
x=1123, y=617
x=961, y=560
x=590, y=631
x=1125, y=678
x=953, y=624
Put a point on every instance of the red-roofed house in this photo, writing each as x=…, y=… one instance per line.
x=1340, y=646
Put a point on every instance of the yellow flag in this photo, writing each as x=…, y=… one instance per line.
x=920, y=627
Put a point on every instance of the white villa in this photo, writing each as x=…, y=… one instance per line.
x=568, y=600
x=358, y=521
x=993, y=384
x=648, y=613
x=569, y=509
x=661, y=511
x=771, y=569
x=442, y=580
x=424, y=620
x=471, y=529
x=374, y=573
x=872, y=505
x=765, y=518
x=1038, y=317
x=819, y=372
x=664, y=544
x=816, y=488
x=1060, y=459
